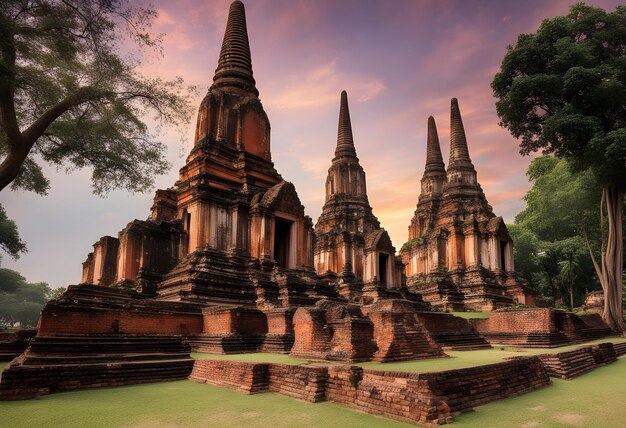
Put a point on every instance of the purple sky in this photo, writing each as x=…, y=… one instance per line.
x=399, y=60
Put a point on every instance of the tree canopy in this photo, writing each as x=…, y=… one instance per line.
x=20, y=301
x=562, y=90
x=10, y=240
x=71, y=93
x=549, y=248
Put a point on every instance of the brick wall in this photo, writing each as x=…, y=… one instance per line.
x=59, y=322
x=440, y=322
x=247, y=378
x=427, y=398
x=394, y=395
x=520, y=321
x=311, y=338
x=302, y=382
x=234, y=320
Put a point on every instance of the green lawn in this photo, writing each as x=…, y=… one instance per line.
x=469, y=315
x=595, y=399
x=592, y=400
x=456, y=359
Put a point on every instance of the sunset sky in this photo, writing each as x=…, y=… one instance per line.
x=399, y=60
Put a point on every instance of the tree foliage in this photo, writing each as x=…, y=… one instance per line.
x=549, y=248
x=72, y=96
x=562, y=90
x=10, y=240
x=20, y=301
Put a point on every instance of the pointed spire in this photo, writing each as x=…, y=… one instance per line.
x=434, y=160
x=235, y=65
x=459, y=154
x=345, y=143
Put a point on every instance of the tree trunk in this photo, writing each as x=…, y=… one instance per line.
x=11, y=165
x=611, y=264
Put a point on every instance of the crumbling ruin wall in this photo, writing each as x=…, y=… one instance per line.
x=523, y=320
x=426, y=398
x=63, y=321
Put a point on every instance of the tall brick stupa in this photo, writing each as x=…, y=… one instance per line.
x=459, y=254
x=231, y=230
x=349, y=236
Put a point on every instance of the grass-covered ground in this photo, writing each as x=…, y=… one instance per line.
x=469, y=315
x=456, y=359
x=592, y=400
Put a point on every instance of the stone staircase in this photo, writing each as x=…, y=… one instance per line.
x=567, y=365
x=13, y=344
x=620, y=348
x=528, y=340
x=460, y=341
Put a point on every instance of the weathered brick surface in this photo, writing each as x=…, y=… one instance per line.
x=55, y=322
x=452, y=332
x=537, y=328
x=247, y=378
x=567, y=365
x=521, y=321
x=464, y=389
x=90, y=309
x=311, y=335
x=394, y=395
x=234, y=320
x=352, y=340
x=620, y=348
x=400, y=336
x=427, y=398
x=54, y=364
x=13, y=344
x=304, y=382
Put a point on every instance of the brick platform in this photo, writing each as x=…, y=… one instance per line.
x=55, y=364
x=13, y=344
x=538, y=328
x=567, y=365
x=426, y=398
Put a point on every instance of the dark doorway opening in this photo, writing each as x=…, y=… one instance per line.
x=503, y=245
x=282, y=238
x=382, y=268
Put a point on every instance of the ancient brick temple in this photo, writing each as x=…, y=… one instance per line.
x=350, y=242
x=231, y=230
x=459, y=254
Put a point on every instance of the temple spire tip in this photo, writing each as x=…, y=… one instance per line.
x=235, y=64
x=345, y=141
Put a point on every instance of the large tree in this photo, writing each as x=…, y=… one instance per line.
x=21, y=301
x=549, y=247
x=562, y=90
x=71, y=93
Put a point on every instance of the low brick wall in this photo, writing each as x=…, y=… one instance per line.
x=567, y=365
x=306, y=383
x=59, y=322
x=463, y=389
x=519, y=321
x=395, y=395
x=426, y=398
x=620, y=348
x=247, y=378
